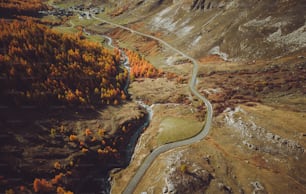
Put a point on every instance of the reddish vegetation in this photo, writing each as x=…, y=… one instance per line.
x=40, y=66
x=151, y=47
x=140, y=67
x=57, y=165
x=42, y=185
x=210, y=59
x=61, y=190
x=56, y=68
x=88, y=132
x=73, y=138
x=57, y=178
x=261, y=81
x=142, y=45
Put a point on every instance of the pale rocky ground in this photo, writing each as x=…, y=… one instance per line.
x=252, y=148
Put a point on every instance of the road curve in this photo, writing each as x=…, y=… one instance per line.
x=205, y=129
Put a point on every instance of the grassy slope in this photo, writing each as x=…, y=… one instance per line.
x=173, y=129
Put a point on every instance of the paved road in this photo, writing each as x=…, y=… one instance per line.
x=156, y=152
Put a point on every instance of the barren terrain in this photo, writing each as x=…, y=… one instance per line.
x=258, y=137
x=252, y=59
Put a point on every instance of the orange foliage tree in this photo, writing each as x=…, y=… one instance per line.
x=141, y=67
x=39, y=65
x=42, y=185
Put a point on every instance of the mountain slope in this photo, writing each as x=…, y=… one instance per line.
x=252, y=56
x=239, y=29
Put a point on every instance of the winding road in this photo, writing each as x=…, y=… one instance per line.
x=205, y=129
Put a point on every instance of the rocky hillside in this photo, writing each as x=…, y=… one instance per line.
x=252, y=57
x=252, y=65
x=234, y=29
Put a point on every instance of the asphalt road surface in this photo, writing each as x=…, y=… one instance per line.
x=205, y=129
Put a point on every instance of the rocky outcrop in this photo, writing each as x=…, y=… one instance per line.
x=260, y=139
x=241, y=29
x=258, y=188
x=207, y=4
x=185, y=176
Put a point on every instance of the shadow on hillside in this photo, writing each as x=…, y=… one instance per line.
x=30, y=113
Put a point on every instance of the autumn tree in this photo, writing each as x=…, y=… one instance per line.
x=141, y=67
x=39, y=65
